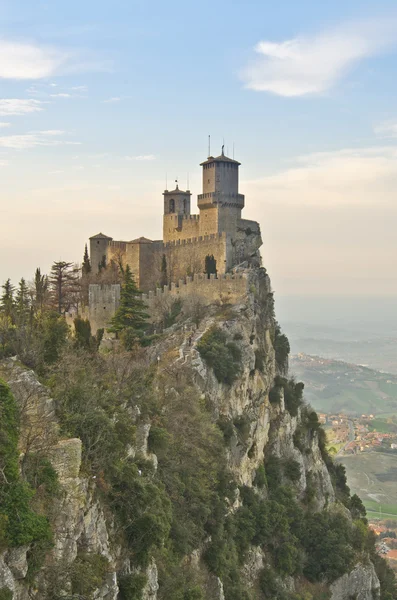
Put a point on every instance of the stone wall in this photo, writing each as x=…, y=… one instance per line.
x=227, y=288
x=103, y=303
x=178, y=227
x=187, y=257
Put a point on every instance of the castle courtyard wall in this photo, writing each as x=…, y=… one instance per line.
x=227, y=288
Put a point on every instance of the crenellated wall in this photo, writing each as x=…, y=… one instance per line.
x=104, y=300
x=226, y=288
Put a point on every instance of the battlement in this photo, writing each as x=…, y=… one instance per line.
x=227, y=288
x=199, y=239
x=190, y=217
x=119, y=245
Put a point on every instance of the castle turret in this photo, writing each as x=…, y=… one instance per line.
x=176, y=208
x=98, y=250
x=220, y=203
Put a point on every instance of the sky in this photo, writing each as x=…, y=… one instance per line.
x=102, y=102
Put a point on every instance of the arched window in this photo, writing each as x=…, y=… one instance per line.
x=172, y=206
x=184, y=206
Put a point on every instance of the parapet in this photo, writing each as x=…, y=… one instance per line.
x=197, y=240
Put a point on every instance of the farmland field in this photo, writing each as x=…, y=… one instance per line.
x=373, y=476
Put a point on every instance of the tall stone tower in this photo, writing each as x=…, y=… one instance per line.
x=98, y=250
x=176, y=208
x=220, y=203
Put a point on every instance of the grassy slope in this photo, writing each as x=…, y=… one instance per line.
x=373, y=476
x=340, y=387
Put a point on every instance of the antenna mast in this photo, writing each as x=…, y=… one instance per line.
x=209, y=146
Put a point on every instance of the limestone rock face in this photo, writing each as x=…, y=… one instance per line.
x=151, y=587
x=361, y=583
x=77, y=517
x=259, y=429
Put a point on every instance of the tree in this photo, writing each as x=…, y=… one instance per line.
x=7, y=299
x=86, y=268
x=40, y=290
x=210, y=265
x=22, y=303
x=163, y=270
x=131, y=318
x=102, y=264
x=64, y=285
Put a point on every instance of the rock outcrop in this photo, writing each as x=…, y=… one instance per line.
x=259, y=429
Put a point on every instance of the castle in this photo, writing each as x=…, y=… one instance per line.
x=218, y=231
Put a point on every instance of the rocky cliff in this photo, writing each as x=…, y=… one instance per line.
x=221, y=488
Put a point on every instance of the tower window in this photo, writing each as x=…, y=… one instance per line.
x=172, y=206
x=184, y=205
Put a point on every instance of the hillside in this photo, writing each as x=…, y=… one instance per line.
x=333, y=386
x=373, y=476
x=185, y=468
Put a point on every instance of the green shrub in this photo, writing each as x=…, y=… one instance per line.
x=326, y=540
x=88, y=573
x=299, y=438
x=269, y=584
x=226, y=426
x=273, y=469
x=39, y=472
x=131, y=586
x=260, y=477
x=158, y=440
x=36, y=557
x=20, y=525
x=171, y=316
x=260, y=358
x=286, y=558
x=143, y=508
x=243, y=427
x=6, y=594
x=282, y=349
x=293, y=396
x=275, y=394
x=223, y=356
x=310, y=491
x=292, y=470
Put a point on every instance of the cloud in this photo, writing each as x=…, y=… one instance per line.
x=61, y=95
x=112, y=100
x=313, y=64
x=25, y=60
x=141, y=157
x=33, y=139
x=387, y=129
x=364, y=176
x=3, y=163
x=3, y=125
x=17, y=106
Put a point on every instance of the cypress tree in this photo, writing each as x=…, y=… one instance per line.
x=164, y=275
x=40, y=287
x=22, y=303
x=130, y=319
x=210, y=265
x=86, y=268
x=7, y=299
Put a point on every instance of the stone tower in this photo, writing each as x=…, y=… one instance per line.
x=220, y=203
x=176, y=208
x=98, y=250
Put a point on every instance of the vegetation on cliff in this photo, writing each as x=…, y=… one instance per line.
x=157, y=454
